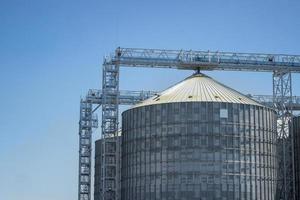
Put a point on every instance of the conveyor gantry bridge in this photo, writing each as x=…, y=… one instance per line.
x=127, y=97
x=110, y=98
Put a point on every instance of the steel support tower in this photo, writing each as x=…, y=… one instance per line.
x=110, y=114
x=282, y=98
x=280, y=65
x=87, y=122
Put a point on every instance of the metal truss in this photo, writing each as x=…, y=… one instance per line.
x=282, y=94
x=110, y=97
x=204, y=60
x=110, y=177
x=267, y=100
x=110, y=111
x=129, y=97
x=87, y=122
x=126, y=97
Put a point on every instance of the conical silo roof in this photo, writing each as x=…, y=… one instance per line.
x=199, y=88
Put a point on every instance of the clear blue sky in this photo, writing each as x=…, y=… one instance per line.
x=51, y=53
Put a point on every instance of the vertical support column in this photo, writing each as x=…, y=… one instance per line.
x=110, y=112
x=282, y=99
x=87, y=122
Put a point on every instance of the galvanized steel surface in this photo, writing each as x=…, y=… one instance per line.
x=199, y=150
x=199, y=88
x=111, y=149
x=199, y=140
x=296, y=133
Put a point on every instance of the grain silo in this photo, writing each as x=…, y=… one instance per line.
x=98, y=176
x=198, y=140
x=296, y=134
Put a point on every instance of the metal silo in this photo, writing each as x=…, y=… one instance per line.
x=98, y=177
x=198, y=140
x=296, y=134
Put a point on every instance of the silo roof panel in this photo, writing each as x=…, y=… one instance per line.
x=199, y=88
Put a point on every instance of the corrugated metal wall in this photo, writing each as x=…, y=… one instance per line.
x=98, y=173
x=98, y=167
x=296, y=133
x=198, y=150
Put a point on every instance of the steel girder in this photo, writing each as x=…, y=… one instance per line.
x=282, y=98
x=204, y=60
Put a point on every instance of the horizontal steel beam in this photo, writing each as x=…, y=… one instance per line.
x=203, y=60
x=133, y=97
x=267, y=100
x=125, y=97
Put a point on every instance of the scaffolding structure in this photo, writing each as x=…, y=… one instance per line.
x=282, y=99
x=110, y=98
x=88, y=121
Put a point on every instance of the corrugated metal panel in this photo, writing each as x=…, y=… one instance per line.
x=296, y=133
x=190, y=150
x=199, y=88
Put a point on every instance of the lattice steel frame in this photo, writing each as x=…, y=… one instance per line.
x=110, y=114
x=87, y=122
x=204, y=60
x=282, y=98
x=281, y=65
